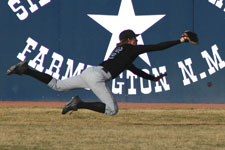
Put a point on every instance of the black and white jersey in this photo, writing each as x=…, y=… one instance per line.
x=122, y=58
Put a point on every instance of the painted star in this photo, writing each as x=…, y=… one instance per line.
x=126, y=19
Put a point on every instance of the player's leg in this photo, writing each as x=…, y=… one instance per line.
x=72, y=83
x=102, y=91
x=108, y=105
x=96, y=79
x=23, y=68
x=75, y=103
x=75, y=82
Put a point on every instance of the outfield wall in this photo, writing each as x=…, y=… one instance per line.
x=62, y=38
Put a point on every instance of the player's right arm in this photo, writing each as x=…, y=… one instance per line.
x=144, y=75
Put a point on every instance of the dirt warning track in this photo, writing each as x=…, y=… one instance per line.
x=121, y=105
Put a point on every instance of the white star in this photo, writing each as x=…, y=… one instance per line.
x=126, y=19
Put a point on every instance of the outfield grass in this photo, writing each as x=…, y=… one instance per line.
x=131, y=129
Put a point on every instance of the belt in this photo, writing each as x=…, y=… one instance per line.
x=106, y=71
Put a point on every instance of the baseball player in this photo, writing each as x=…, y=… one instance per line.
x=97, y=77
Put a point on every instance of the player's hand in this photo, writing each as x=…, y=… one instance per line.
x=190, y=37
x=160, y=77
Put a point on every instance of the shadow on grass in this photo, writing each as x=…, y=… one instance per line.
x=176, y=124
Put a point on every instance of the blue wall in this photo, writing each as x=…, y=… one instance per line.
x=81, y=31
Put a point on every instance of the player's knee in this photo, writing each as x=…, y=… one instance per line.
x=111, y=111
x=53, y=85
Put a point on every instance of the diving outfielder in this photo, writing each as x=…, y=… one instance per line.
x=96, y=77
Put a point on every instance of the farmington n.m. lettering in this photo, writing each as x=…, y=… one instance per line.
x=214, y=63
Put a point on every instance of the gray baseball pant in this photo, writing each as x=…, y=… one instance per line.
x=94, y=78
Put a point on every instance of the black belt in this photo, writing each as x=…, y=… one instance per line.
x=106, y=71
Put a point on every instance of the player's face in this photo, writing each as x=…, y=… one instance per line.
x=132, y=41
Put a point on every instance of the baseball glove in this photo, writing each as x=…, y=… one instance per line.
x=190, y=37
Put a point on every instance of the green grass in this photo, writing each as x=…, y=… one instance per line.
x=131, y=129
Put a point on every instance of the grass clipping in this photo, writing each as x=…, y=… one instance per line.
x=131, y=129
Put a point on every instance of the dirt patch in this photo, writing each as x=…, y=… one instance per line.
x=121, y=105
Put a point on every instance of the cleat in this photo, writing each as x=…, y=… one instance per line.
x=71, y=105
x=19, y=68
